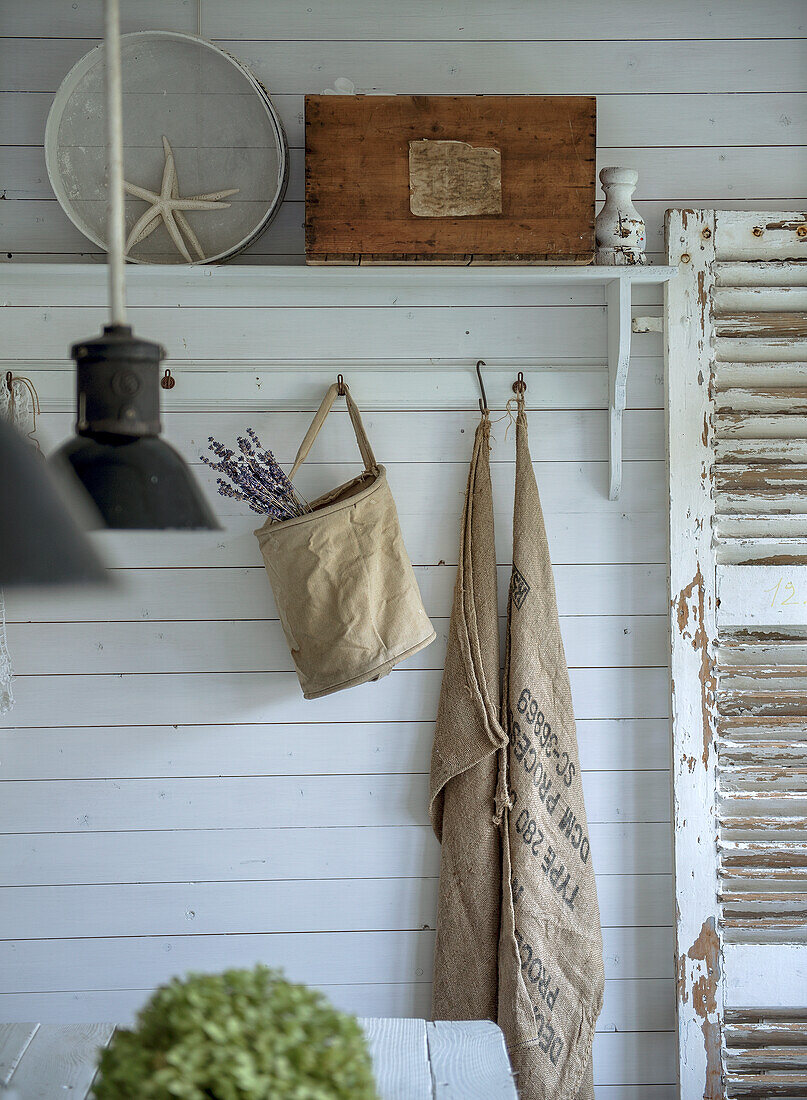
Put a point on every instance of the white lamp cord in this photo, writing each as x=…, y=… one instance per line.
x=116, y=261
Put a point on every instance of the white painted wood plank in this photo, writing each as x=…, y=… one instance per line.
x=762, y=595
x=314, y=958
x=87, y=18
x=237, y=908
x=119, y=1006
x=98, y=752
x=248, y=646
x=437, y=489
x=59, y=1060
x=640, y=1058
x=638, y=1092
x=617, y=538
x=469, y=1061
x=302, y=905
x=261, y=802
x=165, y=594
x=14, y=1040
x=233, y=334
x=460, y=21
x=210, y=854
x=396, y=384
x=685, y=120
x=775, y=972
x=63, y=284
x=470, y=68
x=400, y=1058
x=327, y=957
x=405, y=851
x=632, y=1004
x=419, y=21
x=424, y=436
x=191, y=699
x=690, y=120
x=357, y=278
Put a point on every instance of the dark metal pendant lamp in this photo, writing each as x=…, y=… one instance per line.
x=134, y=478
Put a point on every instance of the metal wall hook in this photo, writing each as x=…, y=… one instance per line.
x=520, y=386
x=10, y=382
x=168, y=381
x=340, y=385
x=483, y=401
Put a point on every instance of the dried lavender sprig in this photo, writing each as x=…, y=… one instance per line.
x=270, y=474
x=280, y=479
x=228, y=491
x=267, y=475
x=250, y=489
x=260, y=503
x=258, y=479
x=269, y=459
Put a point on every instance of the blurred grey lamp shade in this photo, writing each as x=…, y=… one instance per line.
x=135, y=479
x=40, y=541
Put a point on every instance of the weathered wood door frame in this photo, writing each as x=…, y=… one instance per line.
x=735, y=365
x=687, y=359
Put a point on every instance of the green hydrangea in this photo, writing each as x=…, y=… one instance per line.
x=240, y=1035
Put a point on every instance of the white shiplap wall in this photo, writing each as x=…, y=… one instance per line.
x=169, y=801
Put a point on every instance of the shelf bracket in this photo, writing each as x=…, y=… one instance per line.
x=618, y=303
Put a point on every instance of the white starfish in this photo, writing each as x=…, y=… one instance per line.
x=168, y=206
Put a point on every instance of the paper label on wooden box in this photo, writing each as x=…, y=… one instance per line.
x=452, y=179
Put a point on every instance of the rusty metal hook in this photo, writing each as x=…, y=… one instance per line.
x=483, y=400
x=520, y=386
x=340, y=385
x=168, y=381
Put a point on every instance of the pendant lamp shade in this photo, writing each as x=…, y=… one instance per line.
x=135, y=480
x=40, y=542
x=137, y=484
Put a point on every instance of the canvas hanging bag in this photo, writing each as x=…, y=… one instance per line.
x=343, y=584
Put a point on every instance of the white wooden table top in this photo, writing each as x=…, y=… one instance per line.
x=412, y=1060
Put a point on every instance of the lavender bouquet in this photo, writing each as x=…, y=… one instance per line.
x=255, y=477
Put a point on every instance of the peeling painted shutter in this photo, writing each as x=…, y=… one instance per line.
x=736, y=365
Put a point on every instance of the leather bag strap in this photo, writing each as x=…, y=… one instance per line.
x=368, y=458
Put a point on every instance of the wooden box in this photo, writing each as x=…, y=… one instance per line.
x=449, y=179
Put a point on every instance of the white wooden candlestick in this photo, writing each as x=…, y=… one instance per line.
x=619, y=225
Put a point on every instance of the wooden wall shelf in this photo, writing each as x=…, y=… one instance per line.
x=21, y=283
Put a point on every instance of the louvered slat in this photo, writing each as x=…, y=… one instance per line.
x=765, y=1054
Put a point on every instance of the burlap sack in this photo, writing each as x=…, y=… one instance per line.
x=546, y=935
x=344, y=587
x=468, y=745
